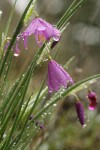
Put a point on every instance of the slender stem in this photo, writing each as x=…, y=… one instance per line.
x=6, y=30
x=65, y=93
x=18, y=28
x=67, y=12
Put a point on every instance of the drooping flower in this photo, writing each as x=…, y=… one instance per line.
x=80, y=112
x=42, y=30
x=93, y=100
x=14, y=48
x=57, y=76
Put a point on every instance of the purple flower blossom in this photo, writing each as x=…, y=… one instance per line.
x=80, y=112
x=41, y=126
x=42, y=30
x=57, y=76
x=93, y=100
x=14, y=48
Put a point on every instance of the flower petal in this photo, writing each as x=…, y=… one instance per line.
x=43, y=31
x=57, y=76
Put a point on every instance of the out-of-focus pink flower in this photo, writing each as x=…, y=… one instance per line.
x=93, y=100
x=7, y=45
x=14, y=48
x=57, y=76
x=31, y=117
x=80, y=112
x=42, y=30
x=38, y=123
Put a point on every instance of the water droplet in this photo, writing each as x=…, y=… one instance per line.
x=50, y=91
x=46, y=60
x=44, y=97
x=4, y=135
x=16, y=54
x=84, y=126
x=45, y=113
x=54, y=105
x=1, y=12
x=49, y=43
x=88, y=120
x=49, y=113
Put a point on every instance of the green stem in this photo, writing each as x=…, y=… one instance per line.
x=30, y=112
x=6, y=30
x=29, y=76
x=69, y=13
x=65, y=93
x=18, y=28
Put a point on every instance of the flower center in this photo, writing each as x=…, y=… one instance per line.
x=41, y=38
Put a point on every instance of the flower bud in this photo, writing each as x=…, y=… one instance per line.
x=93, y=100
x=57, y=77
x=80, y=112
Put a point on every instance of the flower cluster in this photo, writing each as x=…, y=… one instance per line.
x=43, y=31
x=57, y=76
x=92, y=106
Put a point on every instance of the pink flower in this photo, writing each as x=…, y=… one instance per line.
x=14, y=48
x=57, y=76
x=42, y=30
x=93, y=100
x=80, y=112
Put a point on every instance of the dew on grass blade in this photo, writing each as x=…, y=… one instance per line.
x=54, y=105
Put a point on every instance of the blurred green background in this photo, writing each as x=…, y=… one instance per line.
x=82, y=40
